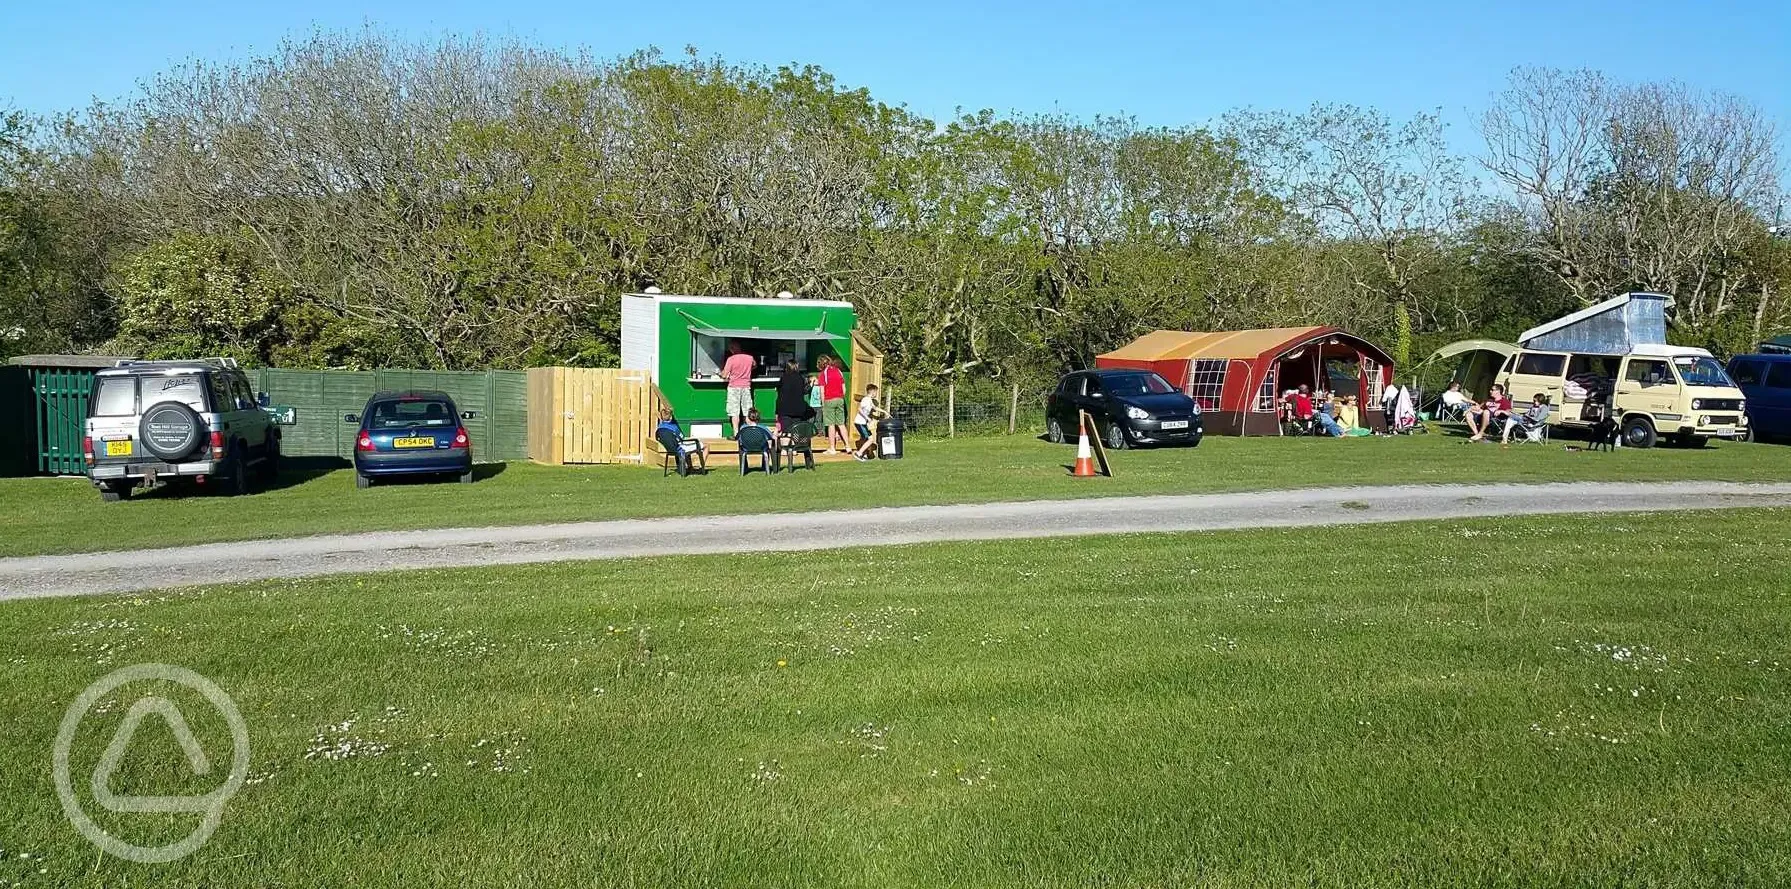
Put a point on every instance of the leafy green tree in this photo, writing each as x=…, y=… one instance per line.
x=195, y=295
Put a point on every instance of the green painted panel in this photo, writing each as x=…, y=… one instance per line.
x=60, y=396
x=322, y=397
x=707, y=401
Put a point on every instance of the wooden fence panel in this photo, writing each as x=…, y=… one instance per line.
x=589, y=415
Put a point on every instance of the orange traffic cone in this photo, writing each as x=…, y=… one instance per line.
x=1084, y=457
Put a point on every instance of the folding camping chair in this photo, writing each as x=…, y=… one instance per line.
x=1444, y=412
x=1527, y=431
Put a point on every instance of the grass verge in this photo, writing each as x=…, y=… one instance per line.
x=65, y=515
x=1330, y=707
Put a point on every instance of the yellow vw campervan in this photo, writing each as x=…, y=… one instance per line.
x=1654, y=390
x=1610, y=360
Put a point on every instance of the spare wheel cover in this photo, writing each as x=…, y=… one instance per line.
x=171, y=430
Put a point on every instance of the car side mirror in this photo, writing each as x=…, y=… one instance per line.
x=263, y=399
x=351, y=418
x=469, y=415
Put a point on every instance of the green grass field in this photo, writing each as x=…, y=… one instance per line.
x=66, y=515
x=1335, y=707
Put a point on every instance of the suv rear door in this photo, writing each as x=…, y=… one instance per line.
x=112, y=420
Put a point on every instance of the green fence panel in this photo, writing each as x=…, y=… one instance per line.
x=322, y=397
x=61, y=414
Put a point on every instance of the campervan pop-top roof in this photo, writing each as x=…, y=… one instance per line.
x=1613, y=327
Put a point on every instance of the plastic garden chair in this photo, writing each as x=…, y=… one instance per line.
x=675, y=457
x=799, y=439
x=756, y=440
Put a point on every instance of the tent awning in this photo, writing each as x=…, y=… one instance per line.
x=1460, y=346
x=755, y=333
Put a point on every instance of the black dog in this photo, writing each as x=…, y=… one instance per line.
x=1604, y=434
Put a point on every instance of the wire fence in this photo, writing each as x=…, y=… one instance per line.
x=981, y=409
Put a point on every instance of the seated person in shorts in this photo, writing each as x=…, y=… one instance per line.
x=689, y=447
x=1482, y=417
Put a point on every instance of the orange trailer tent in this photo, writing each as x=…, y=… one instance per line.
x=1237, y=375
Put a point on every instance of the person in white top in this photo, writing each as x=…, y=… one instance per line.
x=1453, y=396
x=867, y=411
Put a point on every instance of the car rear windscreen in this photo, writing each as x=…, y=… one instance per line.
x=408, y=414
x=188, y=389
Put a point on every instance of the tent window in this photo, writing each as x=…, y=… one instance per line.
x=1371, y=373
x=1265, y=393
x=1206, y=379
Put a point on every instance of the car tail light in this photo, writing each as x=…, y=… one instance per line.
x=460, y=439
x=87, y=449
x=364, y=443
x=217, y=445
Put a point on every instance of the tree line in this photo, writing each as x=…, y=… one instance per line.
x=355, y=200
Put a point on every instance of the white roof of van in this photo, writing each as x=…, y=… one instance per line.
x=1662, y=350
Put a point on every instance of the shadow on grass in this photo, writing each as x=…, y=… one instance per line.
x=481, y=472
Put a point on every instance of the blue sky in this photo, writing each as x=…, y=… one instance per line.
x=1164, y=62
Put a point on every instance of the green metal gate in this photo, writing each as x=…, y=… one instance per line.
x=61, y=413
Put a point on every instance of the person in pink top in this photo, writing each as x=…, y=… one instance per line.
x=833, y=403
x=737, y=370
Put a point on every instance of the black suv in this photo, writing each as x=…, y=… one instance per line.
x=1128, y=407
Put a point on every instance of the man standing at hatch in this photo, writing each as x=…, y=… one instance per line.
x=738, y=372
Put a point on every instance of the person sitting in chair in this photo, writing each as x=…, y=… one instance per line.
x=688, y=447
x=1325, y=413
x=1482, y=417
x=1534, y=416
x=1453, y=403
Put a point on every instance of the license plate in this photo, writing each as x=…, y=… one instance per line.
x=1725, y=433
x=413, y=442
x=1175, y=424
x=118, y=448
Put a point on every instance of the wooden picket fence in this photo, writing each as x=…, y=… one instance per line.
x=590, y=415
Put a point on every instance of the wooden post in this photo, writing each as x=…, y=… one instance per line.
x=1013, y=410
x=951, y=409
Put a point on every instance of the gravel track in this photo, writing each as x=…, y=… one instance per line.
x=88, y=573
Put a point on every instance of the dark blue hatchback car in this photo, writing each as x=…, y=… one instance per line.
x=411, y=434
